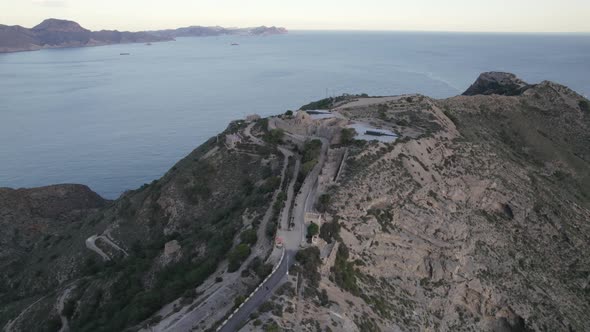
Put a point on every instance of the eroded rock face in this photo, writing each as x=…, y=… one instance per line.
x=507, y=321
x=497, y=83
x=471, y=226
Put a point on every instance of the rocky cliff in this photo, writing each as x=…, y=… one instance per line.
x=476, y=218
x=497, y=83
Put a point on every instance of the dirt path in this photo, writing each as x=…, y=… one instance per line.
x=248, y=132
x=9, y=326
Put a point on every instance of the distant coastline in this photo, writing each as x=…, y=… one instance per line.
x=56, y=33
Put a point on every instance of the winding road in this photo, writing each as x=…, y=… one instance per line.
x=91, y=244
x=292, y=240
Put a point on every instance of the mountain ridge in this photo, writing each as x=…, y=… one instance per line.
x=475, y=218
x=57, y=33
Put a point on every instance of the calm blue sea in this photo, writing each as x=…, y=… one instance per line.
x=92, y=116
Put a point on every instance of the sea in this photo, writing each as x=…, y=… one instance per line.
x=114, y=122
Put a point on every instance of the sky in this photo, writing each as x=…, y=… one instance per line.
x=415, y=15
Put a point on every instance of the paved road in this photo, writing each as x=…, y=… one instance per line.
x=285, y=220
x=192, y=317
x=218, y=299
x=91, y=244
x=61, y=301
x=292, y=241
x=261, y=296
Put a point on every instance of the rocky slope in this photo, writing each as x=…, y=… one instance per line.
x=31, y=216
x=475, y=219
x=497, y=83
x=118, y=262
x=54, y=33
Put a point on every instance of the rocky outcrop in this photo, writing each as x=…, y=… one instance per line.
x=478, y=223
x=497, y=83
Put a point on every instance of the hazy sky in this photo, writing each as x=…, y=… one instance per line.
x=449, y=15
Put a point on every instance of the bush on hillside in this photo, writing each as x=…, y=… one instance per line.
x=584, y=106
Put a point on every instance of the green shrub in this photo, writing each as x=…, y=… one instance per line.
x=344, y=271
x=324, y=299
x=53, y=324
x=404, y=122
x=249, y=236
x=452, y=117
x=322, y=104
x=197, y=191
x=271, y=229
x=266, y=306
x=311, y=150
x=237, y=256
x=271, y=184
x=347, y=135
x=330, y=230
x=69, y=308
x=313, y=229
x=239, y=300
x=584, y=106
x=271, y=327
x=310, y=261
x=307, y=167
x=324, y=202
x=274, y=136
x=263, y=270
x=327, y=103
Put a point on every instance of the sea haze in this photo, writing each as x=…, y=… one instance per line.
x=114, y=122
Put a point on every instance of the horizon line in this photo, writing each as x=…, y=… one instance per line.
x=443, y=31
x=335, y=29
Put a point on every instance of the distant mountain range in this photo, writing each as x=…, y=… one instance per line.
x=55, y=33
